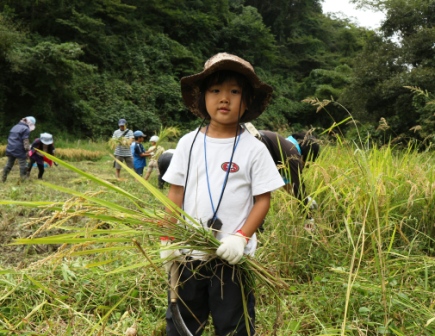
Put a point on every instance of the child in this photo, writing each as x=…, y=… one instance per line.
x=154, y=151
x=18, y=146
x=138, y=152
x=215, y=174
x=45, y=144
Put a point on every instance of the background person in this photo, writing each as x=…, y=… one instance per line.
x=45, y=144
x=155, y=151
x=163, y=163
x=122, y=150
x=291, y=156
x=138, y=151
x=18, y=146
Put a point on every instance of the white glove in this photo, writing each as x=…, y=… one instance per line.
x=232, y=248
x=166, y=254
x=312, y=203
x=310, y=225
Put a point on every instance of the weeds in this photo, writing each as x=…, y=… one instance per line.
x=368, y=269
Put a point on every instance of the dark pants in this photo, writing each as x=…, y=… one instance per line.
x=40, y=168
x=163, y=163
x=11, y=161
x=213, y=288
x=139, y=171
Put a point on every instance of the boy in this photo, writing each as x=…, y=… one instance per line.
x=138, y=152
x=215, y=174
x=154, y=151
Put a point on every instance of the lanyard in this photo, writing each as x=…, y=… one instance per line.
x=236, y=142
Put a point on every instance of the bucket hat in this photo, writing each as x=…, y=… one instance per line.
x=139, y=134
x=154, y=138
x=190, y=85
x=46, y=138
x=122, y=122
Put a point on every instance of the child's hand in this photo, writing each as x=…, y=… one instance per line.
x=168, y=256
x=232, y=248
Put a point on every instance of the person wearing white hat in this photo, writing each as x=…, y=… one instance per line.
x=43, y=143
x=18, y=146
x=155, y=151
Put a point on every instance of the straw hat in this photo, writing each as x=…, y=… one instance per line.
x=190, y=85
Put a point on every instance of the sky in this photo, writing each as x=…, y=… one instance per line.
x=361, y=17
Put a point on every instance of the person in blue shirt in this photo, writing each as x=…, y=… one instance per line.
x=19, y=146
x=138, y=152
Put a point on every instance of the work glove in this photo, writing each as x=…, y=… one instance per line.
x=232, y=247
x=312, y=203
x=167, y=254
x=310, y=225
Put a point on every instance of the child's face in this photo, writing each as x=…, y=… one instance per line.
x=224, y=101
x=140, y=139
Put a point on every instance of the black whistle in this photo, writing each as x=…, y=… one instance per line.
x=214, y=223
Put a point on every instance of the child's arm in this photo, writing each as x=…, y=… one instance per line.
x=257, y=214
x=169, y=255
x=175, y=194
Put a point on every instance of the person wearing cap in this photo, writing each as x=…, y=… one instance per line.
x=223, y=177
x=18, y=146
x=154, y=151
x=138, y=152
x=122, y=150
x=43, y=143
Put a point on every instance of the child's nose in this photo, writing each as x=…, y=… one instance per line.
x=224, y=97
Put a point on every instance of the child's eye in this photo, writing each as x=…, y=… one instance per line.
x=236, y=91
x=214, y=90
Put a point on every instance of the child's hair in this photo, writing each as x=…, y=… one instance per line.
x=309, y=145
x=220, y=77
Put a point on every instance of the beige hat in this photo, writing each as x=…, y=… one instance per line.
x=190, y=85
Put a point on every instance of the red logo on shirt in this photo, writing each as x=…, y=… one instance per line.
x=234, y=167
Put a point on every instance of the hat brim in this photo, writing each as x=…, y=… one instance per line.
x=47, y=142
x=190, y=88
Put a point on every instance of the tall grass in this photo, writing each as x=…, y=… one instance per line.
x=367, y=269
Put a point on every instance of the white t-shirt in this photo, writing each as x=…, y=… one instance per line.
x=253, y=173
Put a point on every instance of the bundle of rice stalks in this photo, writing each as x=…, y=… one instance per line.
x=168, y=132
x=2, y=150
x=75, y=154
x=121, y=141
x=115, y=227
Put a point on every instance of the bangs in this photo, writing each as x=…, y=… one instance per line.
x=219, y=77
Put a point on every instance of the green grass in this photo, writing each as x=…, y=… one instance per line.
x=368, y=269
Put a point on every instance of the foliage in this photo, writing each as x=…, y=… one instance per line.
x=400, y=56
x=78, y=67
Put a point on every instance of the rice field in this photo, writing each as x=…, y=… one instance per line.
x=366, y=269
